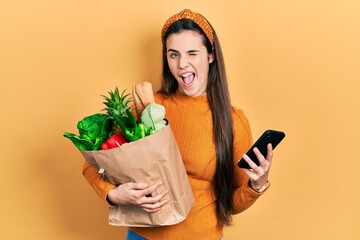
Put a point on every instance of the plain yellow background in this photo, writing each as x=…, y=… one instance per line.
x=292, y=66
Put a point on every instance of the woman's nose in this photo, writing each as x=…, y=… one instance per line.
x=183, y=62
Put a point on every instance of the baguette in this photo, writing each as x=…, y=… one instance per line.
x=143, y=95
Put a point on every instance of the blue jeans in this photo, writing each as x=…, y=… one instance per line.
x=133, y=236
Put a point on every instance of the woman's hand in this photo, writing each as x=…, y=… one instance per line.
x=259, y=174
x=138, y=194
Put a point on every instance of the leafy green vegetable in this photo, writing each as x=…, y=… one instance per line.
x=153, y=116
x=93, y=131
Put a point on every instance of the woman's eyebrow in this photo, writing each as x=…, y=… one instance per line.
x=190, y=51
x=173, y=50
x=193, y=51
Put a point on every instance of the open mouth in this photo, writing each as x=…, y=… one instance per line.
x=188, y=79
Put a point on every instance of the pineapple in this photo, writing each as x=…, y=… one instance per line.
x=116, y=104
x=117, y=108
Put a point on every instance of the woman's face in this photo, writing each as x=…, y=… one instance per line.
x=188, y=61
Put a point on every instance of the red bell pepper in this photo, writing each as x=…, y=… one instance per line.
x=116, y=140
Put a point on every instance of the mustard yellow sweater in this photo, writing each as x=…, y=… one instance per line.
x=191, y=122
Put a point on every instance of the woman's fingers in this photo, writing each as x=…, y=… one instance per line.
x=148, y=199
x=144, y=199
x=153, y=203
x=154, y=207
x=249, y=161
x=269, y=154
x=143, y=189
x=152, y=188
x=265, y=163
x=259, y=174
x=136, y=194
x=259, y=156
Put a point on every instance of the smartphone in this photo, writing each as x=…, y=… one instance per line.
x=269, y=136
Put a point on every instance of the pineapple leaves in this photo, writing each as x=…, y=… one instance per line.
x=117, y=108
x=116, y=104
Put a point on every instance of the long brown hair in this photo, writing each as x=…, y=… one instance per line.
x=219, y=101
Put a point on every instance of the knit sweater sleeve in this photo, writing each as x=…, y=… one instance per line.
x=244, y=196
x=98, y=183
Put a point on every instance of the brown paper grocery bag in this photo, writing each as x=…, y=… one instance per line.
x=150, y=159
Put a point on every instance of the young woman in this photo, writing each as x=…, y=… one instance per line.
x=211, y=134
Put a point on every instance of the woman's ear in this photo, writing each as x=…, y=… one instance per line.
x=211, y=57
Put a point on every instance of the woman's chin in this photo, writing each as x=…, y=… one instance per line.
x=192, y=92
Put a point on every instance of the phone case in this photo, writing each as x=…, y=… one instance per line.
x=269, y=136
